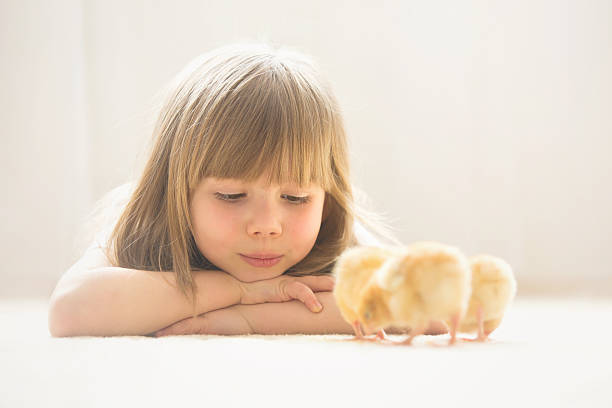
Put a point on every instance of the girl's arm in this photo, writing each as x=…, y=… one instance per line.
x=289, y=317
x=96, y=299
x=275, y=318
x=110, y=301
x=114, y=301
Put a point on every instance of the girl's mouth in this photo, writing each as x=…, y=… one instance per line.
x=259, y=262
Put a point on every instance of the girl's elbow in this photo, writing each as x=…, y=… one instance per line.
x=58, y=320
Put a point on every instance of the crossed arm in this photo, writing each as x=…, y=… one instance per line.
x=290, y=317
x=275, y=318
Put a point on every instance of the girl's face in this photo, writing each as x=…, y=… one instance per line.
x=237, y=223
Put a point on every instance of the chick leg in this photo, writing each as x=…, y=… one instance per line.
x=454, y=323
x=357, y=329
x=482, y=334
x=381, y=335
x=359, y=335
x=415, y=331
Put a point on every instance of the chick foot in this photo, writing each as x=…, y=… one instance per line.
x=381, y=335
x=359, y=335
x=417, y=331
x=482, y=334
x=483, y=339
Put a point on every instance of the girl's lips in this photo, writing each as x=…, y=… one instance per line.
x=263, y=255
x=261, y=262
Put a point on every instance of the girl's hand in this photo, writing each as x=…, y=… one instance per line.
x=231, y=321
x=285, y=288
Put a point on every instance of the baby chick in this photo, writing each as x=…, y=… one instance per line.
x=425, y=282
x=352, y=270
x=493, y=288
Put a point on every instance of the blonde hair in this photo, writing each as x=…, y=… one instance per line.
x=239, y=111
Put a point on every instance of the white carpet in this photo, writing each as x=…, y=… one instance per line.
x=547, y=353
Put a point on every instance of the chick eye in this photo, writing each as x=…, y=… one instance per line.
x=367, y=315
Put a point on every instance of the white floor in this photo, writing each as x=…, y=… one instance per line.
x=547, y=352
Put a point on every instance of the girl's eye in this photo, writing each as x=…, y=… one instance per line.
x=235, y=197
x=297, y=200
x=229, y=197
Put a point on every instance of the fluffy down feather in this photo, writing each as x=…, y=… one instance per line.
x=493, y=289
x=426, y=281
x=352, y=271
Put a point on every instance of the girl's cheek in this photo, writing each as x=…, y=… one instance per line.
x=212, y=222
x=223, y=223
x=231, y=220
x=307, y=224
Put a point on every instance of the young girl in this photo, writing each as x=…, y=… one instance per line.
x=243, y=206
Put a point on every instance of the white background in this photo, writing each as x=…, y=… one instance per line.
x=483, y=124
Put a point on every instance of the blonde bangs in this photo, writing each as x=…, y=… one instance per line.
x=273, y=123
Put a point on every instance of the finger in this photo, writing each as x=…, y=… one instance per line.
x=304, y=294
x=318, y=283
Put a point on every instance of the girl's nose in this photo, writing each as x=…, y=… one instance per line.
x=265, y=232
x=264, y=223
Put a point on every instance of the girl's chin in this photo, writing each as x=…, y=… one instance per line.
x=255, y=276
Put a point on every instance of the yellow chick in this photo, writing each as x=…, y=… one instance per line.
x=493, y=289
x=425, y=282
x=352, y=271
